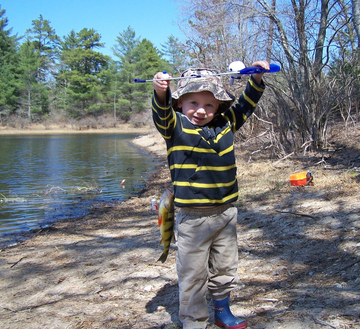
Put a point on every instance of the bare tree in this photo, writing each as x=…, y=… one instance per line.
x=305, y=36
x=271, y=33
x=356, y=18
x=312, y=40
x=219, y=32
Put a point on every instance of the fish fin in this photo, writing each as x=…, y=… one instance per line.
x=161, y=241
x=163, y=257
x=159, y=220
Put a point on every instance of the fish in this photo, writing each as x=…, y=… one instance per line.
x=166, y=222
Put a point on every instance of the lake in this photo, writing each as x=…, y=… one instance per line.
x=44, y=178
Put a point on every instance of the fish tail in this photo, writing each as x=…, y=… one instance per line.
x=163, y=256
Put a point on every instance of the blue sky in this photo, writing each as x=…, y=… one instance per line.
x=154, y=20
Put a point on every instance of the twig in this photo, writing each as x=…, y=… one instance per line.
x=348, y=266
x=296, y=214
x=268, y=300
x=285, y=157
x=306, y=145
x=320, y=162
x=161, y=265
x=7, y=308
x=17, y=262
x=323, y=323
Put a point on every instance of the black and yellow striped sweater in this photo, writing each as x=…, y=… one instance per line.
x=202, y=159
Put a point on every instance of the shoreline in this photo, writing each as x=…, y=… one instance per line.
x=40, y=129
x=147, y=143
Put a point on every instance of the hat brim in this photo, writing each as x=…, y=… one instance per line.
x=225, y=98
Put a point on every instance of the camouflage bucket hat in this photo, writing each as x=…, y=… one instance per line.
x=202, y=82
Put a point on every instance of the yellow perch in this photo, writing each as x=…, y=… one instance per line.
x=166, y=222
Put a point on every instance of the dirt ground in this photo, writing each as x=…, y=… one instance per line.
x=299, y=253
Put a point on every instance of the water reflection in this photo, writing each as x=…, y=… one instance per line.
x=54, y=176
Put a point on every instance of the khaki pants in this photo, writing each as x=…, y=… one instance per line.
x=207, y=260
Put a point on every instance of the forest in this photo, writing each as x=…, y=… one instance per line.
x=48, y=79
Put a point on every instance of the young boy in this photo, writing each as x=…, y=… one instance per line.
x=198, y=124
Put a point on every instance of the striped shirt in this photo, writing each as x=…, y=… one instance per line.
x=202, y=159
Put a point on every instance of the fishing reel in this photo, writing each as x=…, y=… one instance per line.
x=235, y=67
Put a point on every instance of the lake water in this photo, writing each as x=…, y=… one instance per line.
x=47, y=177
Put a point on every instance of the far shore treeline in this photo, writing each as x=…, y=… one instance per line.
x=50, y=79
x=43, y=76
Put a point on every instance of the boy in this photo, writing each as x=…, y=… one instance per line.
x=198, y=125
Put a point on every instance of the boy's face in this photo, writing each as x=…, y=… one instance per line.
x=200, y=108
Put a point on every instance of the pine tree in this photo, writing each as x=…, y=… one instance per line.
x=32, y=93
x=83, y=72
x=174, y=52
x=136, y=59
x=39, y=49
x=148, y=62
x=9, y=62
x=46, y=46
x=124, y=51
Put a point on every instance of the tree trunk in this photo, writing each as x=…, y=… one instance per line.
x=271, y=33
x=115, y=103
x=356, y=18
x=319, y=47
x=29, y=101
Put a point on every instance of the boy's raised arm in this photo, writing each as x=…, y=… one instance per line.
x=263, y=64
x=161, y=86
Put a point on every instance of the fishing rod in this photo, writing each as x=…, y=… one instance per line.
x=236, y=69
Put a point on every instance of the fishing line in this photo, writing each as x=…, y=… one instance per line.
x=235, y=74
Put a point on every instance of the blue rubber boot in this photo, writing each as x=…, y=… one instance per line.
x=224, y=318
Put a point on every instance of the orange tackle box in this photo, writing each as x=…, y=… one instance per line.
x=301, y=178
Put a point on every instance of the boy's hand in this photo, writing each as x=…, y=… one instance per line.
x=263, y=64
x=161, y=87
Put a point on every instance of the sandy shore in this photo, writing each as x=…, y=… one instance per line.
x=68, y=129
x=298, y=252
